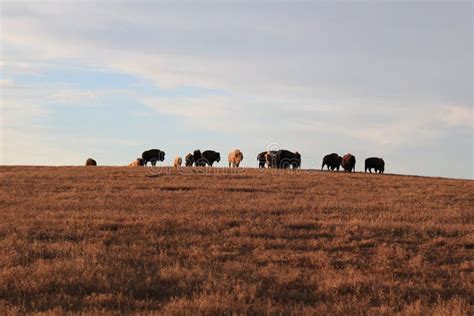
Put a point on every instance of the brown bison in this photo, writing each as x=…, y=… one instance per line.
x=262, y=159
x=153, y=155
x=91, y=162
x=375, y=163
x=136, y=163
x=272, y=159
x=235, y=157
x=189, y=160
x=283, y=159
x=178, y=161
x=348, y=163
x=332, y=161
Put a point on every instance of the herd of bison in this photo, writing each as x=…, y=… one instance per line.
x=280, y=159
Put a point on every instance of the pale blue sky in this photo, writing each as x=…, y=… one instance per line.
x=110, y=79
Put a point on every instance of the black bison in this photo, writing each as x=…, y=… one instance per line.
x=209, y=157
x=197, y=157
x=348, y=162
x=332, y=161
x=375, y=163
x=284, y=159
x=189, y=160
x=91, y=162
x=153, y=155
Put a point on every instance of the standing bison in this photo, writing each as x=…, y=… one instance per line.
x=198, y=160
x=332, y=161
x=209, y=157
x=283, y=159
x=153, y=155
x=348, y=163
x=375, y=163
x=189, y=160
x=265, y=158
x=91, y=162
x=235, y=157
x=262, y=159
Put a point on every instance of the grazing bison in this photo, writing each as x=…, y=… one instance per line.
x=262, y=159
x=198, y=160
x=153, y=155
x=189, y=160
x=348, y=163
x=91, y=162
x=177, y=162
x=235, y=157
x=332, y=161
x=284, y=159
x=375, y=163
x=209, y=157
x=136, y=163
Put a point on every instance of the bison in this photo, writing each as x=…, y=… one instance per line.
x=198, y=160
x=153, y=155
x=262, y=159
x=272, y=159
x=177, y=162
x=91, y=162
x=348, y=163
x=137, y=162
x=283, y=159
x=189, y=160
x=375, y=163
x=332, y=161
x=209, y=157
x=235, y=157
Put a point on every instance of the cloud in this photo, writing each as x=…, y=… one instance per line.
x=454, y=115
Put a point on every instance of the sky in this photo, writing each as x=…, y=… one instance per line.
x=110, y=79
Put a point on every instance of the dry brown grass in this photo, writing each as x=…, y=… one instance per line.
x=122, y=239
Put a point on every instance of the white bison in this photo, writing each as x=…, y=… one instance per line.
x=235, y=158
x=136, y=163
x=178, y=161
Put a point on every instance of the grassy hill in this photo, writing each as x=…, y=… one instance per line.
x=89, y=239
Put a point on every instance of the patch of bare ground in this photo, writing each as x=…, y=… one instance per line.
x=111, y=239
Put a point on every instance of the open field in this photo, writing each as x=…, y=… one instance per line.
x=89, y=239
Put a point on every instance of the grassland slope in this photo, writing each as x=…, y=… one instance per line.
x=118, y=239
